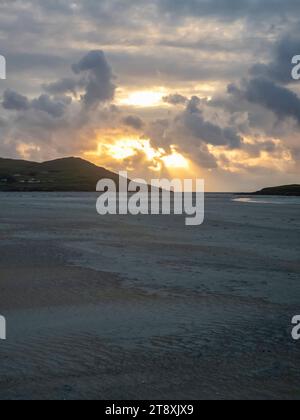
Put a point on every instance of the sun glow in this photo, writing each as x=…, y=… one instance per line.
x=144, y=99
x=128, y=148
x=26, y=150
x=175, y=160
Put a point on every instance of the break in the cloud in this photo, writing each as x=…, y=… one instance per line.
x=196, y=86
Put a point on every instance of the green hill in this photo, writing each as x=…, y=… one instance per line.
x=284, y=190
x=68, y=174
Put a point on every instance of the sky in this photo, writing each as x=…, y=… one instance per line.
x=160, y=88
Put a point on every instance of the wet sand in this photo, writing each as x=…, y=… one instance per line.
x=122, y=307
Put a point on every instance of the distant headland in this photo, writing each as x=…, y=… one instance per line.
x=284, y=190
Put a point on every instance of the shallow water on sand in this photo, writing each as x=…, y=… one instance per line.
x=121, y=307
x=269, y=200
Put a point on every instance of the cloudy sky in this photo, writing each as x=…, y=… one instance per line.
x=158, y=87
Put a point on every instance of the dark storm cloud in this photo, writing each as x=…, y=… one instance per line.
x=96, y=80
x=54, y=108
x=279, y=69
x=13, y=101
x=99, y=83
x=210, y=133
x=133, y=121
x=278, y=99
x=175, y=99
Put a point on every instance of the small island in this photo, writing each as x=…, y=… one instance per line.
x=284, y=190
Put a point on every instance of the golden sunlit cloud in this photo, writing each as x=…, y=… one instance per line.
x=25, y=150
x=175, y=160
x=125, y=148
x=113, y=151
x=236, y=161
x=144, y=98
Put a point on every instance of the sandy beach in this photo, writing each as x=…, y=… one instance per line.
x=123, y=307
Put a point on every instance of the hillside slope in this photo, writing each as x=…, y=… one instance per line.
x=68, y=174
